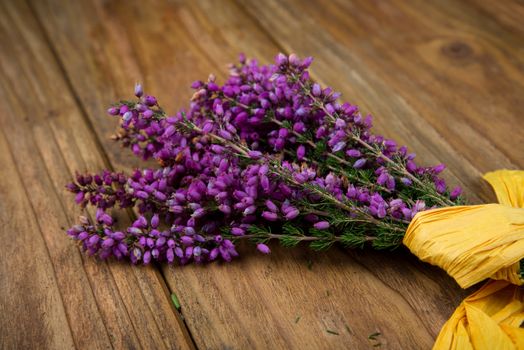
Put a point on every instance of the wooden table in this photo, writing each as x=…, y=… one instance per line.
x=446, y=78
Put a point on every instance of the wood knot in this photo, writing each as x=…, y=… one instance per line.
x=457, y=50
x=52, y=113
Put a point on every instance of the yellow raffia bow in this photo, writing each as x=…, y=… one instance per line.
x=473, y=243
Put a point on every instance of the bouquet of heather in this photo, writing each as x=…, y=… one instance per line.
x=268, y=155
x=272, y=155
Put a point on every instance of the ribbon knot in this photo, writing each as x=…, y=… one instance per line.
x=472, y=243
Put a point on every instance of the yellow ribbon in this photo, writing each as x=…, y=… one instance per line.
x=473, y=243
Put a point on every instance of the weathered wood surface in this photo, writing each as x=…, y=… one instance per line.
x=445, y=78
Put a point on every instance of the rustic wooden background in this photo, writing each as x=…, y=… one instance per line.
x=444, y=77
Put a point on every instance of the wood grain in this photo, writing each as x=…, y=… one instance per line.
x=445, y=78
x=31, y=305
x=107, y=305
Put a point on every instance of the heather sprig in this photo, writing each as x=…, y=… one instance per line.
x=268, y=155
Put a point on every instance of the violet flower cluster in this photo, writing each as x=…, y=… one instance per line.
x=270, y=154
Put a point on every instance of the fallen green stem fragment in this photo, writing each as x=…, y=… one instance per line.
x=175, y=301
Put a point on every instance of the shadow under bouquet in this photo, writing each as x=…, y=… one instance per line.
x=272, y=155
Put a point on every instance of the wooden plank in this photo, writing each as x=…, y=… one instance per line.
x=509, y=17
x=30, y=302
x=256, y=301
x=106, y=305
x=462, y=78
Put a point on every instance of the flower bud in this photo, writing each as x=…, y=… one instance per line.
x=321, y=225
x=237, y=231
x=113, y=111
x=269, y=216
x=138, y=90
x=108, y=242
x=264, y=249
x=455, y=193
x=186, y=240
x=301, y=152
x=155, y=220
x=292, y=213
x=150, y=101
x=359, y=163
x=281, y=59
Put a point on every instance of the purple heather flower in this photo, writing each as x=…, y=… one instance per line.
x=264, y=249
x=321, y=225
x=455, y=193
x=139, y=91
x=199, y=213
x=250, y=210
x=271, y=206
x=440, y=185
x=294, y=60
x=113, y=111
x=354, y=153
x=406, y=181
x=127, y=116
x=439, y=168
x=155, y=220
x=255, y=154
x=237, y=231
x=269, y=215
x=281, y=59
x=390, y=183
x=225, y=134
x=316, y=90
x=299, y=127
x=339, y=146
x=79, y=198
x=383, y=178
x=411, y=166
x=186, y=240
x=150, y=101
x=301, y=152
x=320, y=133
x=359, y=163
x=170, y=255
x=224, y=208
x=291, y=213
